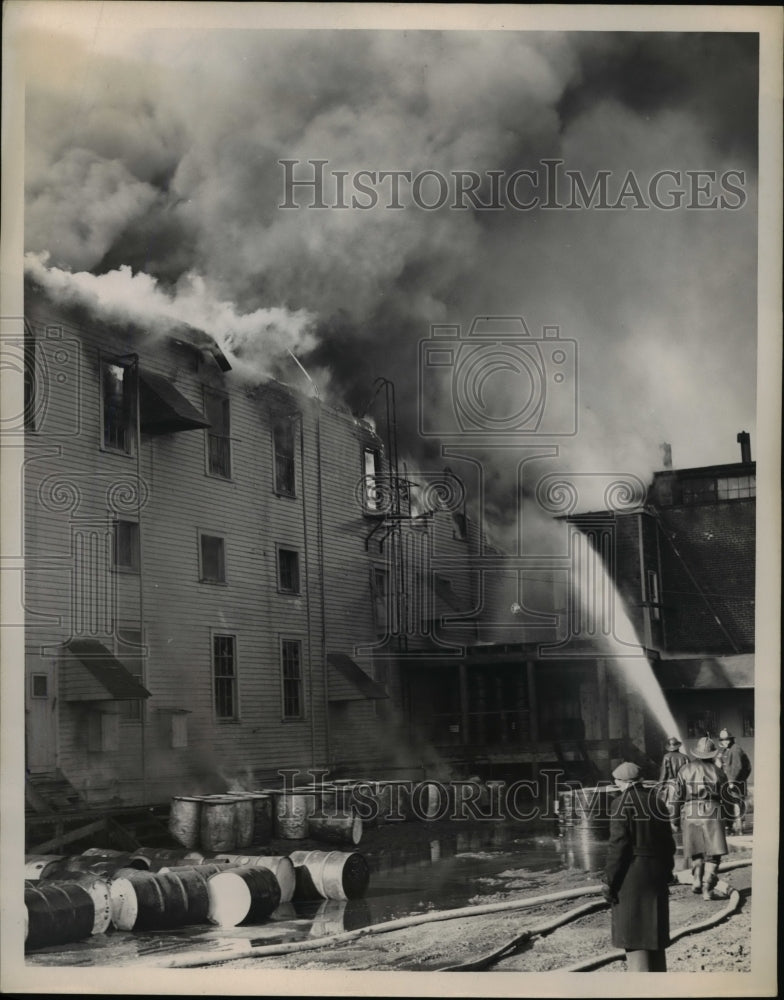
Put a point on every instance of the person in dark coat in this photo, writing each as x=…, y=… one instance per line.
x=699, y=807
x=737, y=767
x=638, y=871
x=672, y=762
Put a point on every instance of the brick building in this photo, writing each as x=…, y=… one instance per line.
x=684, y=563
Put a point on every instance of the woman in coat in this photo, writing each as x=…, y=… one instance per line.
x=638, y=872
x=700, y=806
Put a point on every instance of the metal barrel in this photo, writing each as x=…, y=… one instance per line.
x=37, y=864
x=292, y=810
x=185, y=819
x=332, y=874
x=57, y=914
x=242, y=895
x=217, y=825
x=336, y=829
x=98, y=890
x=262, y=817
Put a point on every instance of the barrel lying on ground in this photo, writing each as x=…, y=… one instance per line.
x=155, y=901
x=242, y=895
x=57, y=914
x=97, y=888
x=330, y=875
x=281, y=867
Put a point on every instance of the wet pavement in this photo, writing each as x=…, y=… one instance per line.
x=415, y=868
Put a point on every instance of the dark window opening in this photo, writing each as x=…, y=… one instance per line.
x=224, y=670
x=748, y=722
x=129, y=652
x=379, y=582
x=118, y=405
x=216, y=410
x=290, y=652
x=288, y=571
x=39, y=686
x=701, y=724
x=213, y=563
x=283, y=446
x=125, y=547
x=653, y=595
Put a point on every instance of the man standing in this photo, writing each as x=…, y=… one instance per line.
x=638, y=872
x=700, y=806
x=672, y=761
x=737, y=767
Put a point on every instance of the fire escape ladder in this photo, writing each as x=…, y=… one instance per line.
x=657, y=517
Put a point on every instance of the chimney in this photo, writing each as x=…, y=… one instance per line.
x=744, y=440
x=666, y=451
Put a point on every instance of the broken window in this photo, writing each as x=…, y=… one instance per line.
x=283, y=446
x=216, y=410
x=118, y=397
x=374, y=488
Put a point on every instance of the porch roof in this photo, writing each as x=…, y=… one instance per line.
x=93, y=673
x=349, y=682
x=164, y=409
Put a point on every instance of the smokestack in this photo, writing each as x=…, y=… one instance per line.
x=744, y=440
x=666, y=450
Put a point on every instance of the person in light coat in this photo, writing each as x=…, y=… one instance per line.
x=700, y=807
x=638, y=872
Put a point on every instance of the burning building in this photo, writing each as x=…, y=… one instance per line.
x=197, y=578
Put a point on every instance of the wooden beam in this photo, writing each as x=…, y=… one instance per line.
x=69, y=837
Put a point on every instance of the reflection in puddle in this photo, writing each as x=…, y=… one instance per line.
x=438, y=870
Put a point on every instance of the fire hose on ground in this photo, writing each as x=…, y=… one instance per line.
x=229, y=954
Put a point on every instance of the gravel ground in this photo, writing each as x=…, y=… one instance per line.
x=440, y=945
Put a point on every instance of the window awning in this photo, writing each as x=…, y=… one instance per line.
x=182, y=333
x=349, y=682
x=164, y=409
x=706, y=672
x=93, y=673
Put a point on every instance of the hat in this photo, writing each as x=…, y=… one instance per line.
x=706, y=749
x=725, y=734
x=673, y=743
x=626, y=772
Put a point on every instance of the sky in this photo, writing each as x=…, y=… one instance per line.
x=153, y=186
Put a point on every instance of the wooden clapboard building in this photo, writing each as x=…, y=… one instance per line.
x=197, y=577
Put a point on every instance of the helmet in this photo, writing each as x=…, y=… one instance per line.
x=673, y=743
x=725, y=734
x=706, y=749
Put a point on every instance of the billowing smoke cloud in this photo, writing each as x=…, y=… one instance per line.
x=157, y=173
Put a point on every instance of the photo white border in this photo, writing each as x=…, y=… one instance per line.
x=119, y=19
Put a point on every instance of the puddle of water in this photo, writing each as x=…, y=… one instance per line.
x=435, y=870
